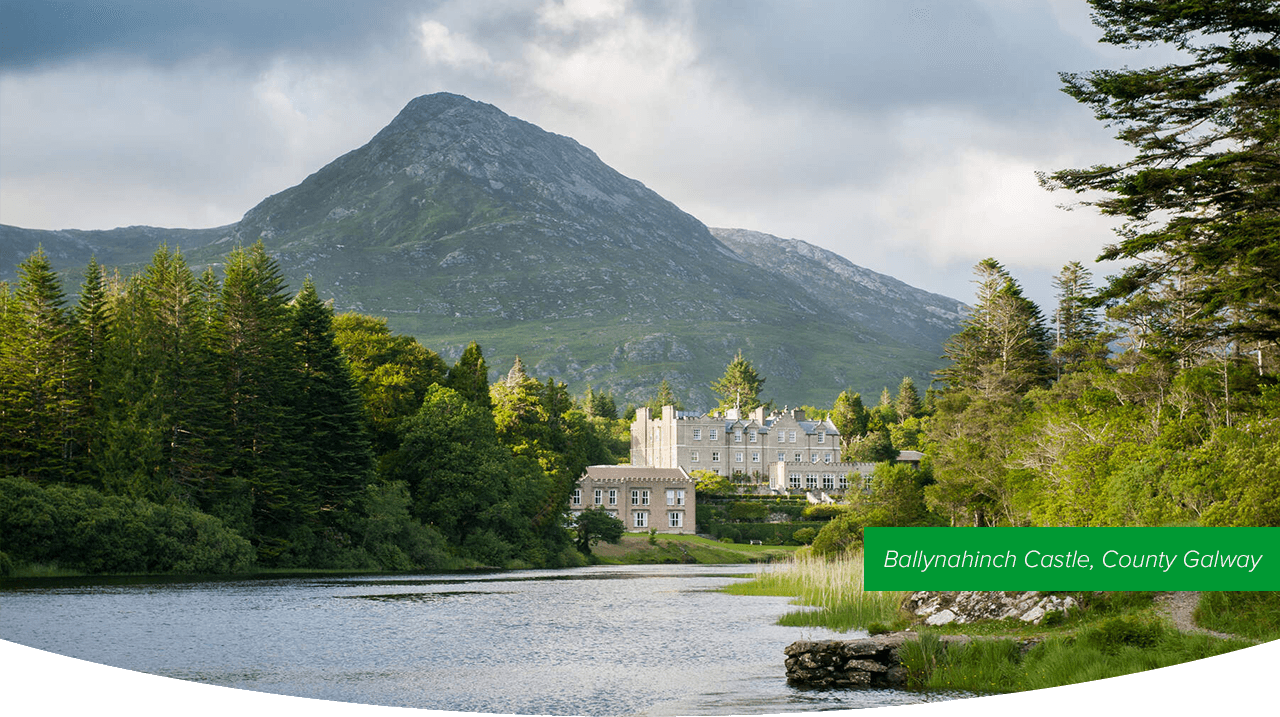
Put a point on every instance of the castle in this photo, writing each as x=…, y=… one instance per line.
x=781, y=453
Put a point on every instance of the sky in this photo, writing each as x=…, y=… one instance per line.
x=904, y=136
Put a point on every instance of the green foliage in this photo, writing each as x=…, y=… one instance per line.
x=470, y=376
x=595, y=525
x=81, y=529
x=824, y=511
x=896, y=498
x=1198, y=194
x=748, y=511
x=664, y=397
x=1253, y=615
x=1002, y=345
x=712, y=484
x=740, y=386
x=392, y=372
x=804, y=536
x=839, y=536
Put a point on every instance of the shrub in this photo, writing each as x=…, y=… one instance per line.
x=838, y=536
x=804, y=536
x=824, y=511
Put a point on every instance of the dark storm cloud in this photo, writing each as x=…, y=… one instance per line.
x=42, y=32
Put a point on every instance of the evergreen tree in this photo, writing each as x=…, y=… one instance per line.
x=38, y=396
x=1003, y=344
x=664, y=397
x=470, y=376
x=327, y=408
x=1199, y=195
x=850, y=418
x=256, y=363
x=161, y=418
x=740, y=386
x=907, y=404
x=1079, y=339
x=91, y=328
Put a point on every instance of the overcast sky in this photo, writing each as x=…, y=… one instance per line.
x=902, y=135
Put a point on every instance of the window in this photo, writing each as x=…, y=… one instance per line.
x=599, y=496
x=737, y=457
x=827, y=458
x=737, y=436
x=577, y=496
x=813, y=457
x=866, y=483
x=755, y=456
x=644, y=497
x=635, y=497
x=697, y=434
x=675, y=519
x=753, y=436
x=712, y=434
x=822, y=436
x=640, y=519
x=844, y=482
x=612, y=513
x=793, y=480
x=613, y=496
x=799, y=457
x=782, y=456
x=811, y=480
x=828, y=481
x=791, y=435
x=675, y=496
x=715, y=456
x=693, y=457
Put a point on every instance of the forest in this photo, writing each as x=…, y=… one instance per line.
x=169, y=422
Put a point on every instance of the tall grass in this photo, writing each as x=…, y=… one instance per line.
x=1251, y=614
x=834, y=586
x=1117, y=646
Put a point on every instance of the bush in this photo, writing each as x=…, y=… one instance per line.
x=84, y=530
x=838, y=536
x=824, y=511
x=804, y=536
x=748, y=511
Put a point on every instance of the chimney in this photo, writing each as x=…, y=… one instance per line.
x=757, y=415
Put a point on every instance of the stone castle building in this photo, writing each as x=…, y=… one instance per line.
x=642, y=497
x=782, y=452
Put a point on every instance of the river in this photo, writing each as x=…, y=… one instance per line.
x=605, y=640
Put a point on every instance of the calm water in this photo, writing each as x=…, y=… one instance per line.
x=647, y=640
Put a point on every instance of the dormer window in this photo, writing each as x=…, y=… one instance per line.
x=822, y=436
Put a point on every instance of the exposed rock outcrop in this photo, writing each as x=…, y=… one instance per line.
x=941, y=608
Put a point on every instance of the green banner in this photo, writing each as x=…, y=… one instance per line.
x=1071, y=558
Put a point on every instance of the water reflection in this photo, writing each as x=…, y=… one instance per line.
x=655, y=640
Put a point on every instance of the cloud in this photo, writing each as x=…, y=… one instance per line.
x=903, y=136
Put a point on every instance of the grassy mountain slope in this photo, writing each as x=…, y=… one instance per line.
x=458, y=222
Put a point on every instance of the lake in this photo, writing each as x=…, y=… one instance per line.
x=604, y=640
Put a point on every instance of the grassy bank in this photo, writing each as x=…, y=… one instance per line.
x=636, y=549
x=833, y=587
x=1109, y=635
x=1249, y=614
x=1110, y=648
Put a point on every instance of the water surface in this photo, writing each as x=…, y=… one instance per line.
x=606, y=640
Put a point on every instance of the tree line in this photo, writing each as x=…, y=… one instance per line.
x=170, y=403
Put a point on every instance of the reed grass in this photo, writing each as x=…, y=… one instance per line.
x=833, y=586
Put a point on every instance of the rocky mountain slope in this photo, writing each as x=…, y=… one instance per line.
x=459, y=222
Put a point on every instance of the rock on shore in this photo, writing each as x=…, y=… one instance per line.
x=940, y=608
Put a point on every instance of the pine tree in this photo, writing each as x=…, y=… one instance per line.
x=91, y=328
x=162, y=419
x=907, y=404
x=1199, y=194
x=327, y=408
x=740, y=386
x=664, y=397
x=38, y=397
x=470, y=377
x=1078, y=336
x=1003, y=344
x=254, y=346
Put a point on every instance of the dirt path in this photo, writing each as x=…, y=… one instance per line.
x=1178, y=608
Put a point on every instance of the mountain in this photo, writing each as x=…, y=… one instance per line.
x=459, y=222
